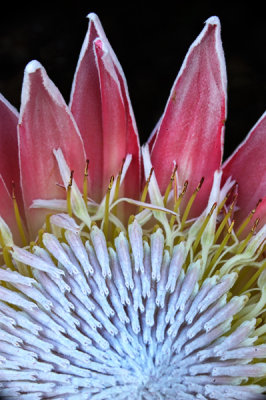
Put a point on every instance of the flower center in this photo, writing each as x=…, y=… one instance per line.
x=158, y=309
x=128, y=319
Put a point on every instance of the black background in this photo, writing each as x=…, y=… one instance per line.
x=150, y=42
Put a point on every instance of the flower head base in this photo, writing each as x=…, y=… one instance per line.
x=167, y=304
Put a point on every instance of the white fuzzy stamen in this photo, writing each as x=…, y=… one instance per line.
x=148, y=330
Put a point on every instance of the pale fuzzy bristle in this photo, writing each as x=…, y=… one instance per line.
x=123, y=322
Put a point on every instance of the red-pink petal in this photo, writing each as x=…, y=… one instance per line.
x=114, y=118
x=7, y=211
x=192, y=126
x=45, y=124
x=101, y=107
x=9, y=166
x=247, y=166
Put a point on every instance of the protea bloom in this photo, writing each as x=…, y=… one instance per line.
x=135, y=279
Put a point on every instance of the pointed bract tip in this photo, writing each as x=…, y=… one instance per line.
x=92, y=16
x=213, y=21
x=32, y=67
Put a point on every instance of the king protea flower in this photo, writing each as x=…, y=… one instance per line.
x=144, y=276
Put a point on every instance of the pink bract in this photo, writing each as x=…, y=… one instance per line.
x=99, y=125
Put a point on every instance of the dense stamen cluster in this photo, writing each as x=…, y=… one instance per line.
x=157, y=309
